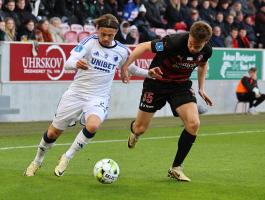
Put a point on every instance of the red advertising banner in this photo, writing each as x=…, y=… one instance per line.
x=49, y=62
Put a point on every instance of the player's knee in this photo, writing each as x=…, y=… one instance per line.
x=193, y=125
x=92, y=128
x=53, y=133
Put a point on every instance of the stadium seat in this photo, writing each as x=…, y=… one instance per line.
x=70, y=37
x=77, y=28
x=160, y=32
x=65, y=27
x=82, y=35
x=243, y=105
x=89, y=28
x=171, y=31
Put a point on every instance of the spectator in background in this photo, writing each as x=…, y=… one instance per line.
x=23, y=15
x=205, y=12
x=219, y=21
x=257, y=3
x=260, y=27
x=194, y=17
x=213, y=9
x=131, y=10
x=217, y=40
x=248, y=91
x=251, y=8
x=184, y=9
x=249, y=25
x=173, y=13
x=231, y=40
x=2, y=30
x=243, y=41
x=90, y=9
x=10, y=29
x=236, y=7
x=143, y=26
x=244, y=5
x=123, y=35
x=27, y=31
x=153, y=14
x=2, y=13
x=10, y=11
x=224, y=7
x=111, y=6
x=134, y=33
x=194, y=4
x=239, y=20
x=42, y=31
x=229, y=24
x=56, y=30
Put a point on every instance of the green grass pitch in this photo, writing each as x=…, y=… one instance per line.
x=227, y=162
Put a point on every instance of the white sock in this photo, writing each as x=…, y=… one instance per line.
x=80, y=141
x=42, y=148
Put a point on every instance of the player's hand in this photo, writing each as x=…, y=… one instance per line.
x=205, y=97
x=155, y=73
x=258, y=95
x=82, y=64
x=125, y=74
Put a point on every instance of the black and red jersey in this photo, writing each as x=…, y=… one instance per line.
x=174, y=58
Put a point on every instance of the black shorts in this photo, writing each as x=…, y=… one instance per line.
x=153, y=99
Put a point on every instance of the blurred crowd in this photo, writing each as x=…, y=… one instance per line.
x=236, y=23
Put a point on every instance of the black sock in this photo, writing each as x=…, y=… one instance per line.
x=46, y=139
x=184, y=145
x=87, y=133
x=132, y=126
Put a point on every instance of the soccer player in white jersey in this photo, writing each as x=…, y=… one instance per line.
x=96, y=59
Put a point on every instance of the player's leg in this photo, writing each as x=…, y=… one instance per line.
x=150, y=102
x=139, y=126
x=94, y=116
x=259, y=100
x=68, y=110
x=189, y=114
x=184, y=105
x=47, y=141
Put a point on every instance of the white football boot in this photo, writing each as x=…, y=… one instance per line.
x=32, y=169
x=177, y=173
x=62, y=165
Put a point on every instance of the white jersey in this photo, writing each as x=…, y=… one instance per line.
x=102, y=61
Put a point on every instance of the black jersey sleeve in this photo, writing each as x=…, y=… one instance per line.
x=208, y=52
x=162, y=45
x=249, y=83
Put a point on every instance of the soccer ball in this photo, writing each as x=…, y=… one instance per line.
x=106, y=171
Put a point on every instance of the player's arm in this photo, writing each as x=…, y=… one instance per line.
x=202, y=70
x=136, y=53
x=151, y=73
x=76, y=59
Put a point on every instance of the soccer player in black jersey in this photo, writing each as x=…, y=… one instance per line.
x=177, y=56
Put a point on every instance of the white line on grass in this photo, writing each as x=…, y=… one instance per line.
x=144, y=138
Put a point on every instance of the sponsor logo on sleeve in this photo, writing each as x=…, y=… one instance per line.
x=78, y=48
x=159, y=46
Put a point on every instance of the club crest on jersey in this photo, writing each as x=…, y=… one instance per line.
x=78, y=48
x=159, y=46
x=106, y=55
x=96, y=53
x=115, y=58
